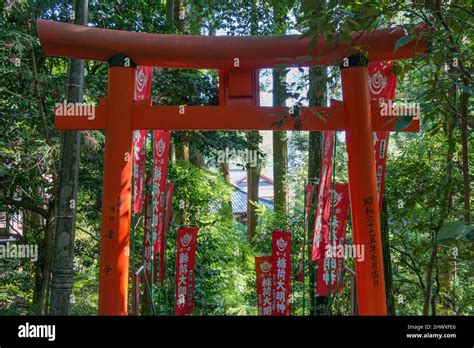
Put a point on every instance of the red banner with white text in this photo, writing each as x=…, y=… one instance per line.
x=143, y=82
x=281, y=273
x=382, y=85
x=381, y=148
x=186, y=241
x=323, y=212
x=161, y=144
x=139, y=163
x=263, y=267
x=142, y=91
x=331, y=267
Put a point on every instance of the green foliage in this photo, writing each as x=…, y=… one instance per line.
x=224, y=262
x=224, y=265
x=416, y=173
x=16, y=282
x=86, y=272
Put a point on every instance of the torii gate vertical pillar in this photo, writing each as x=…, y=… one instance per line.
x=363, y=186
x=116, y=197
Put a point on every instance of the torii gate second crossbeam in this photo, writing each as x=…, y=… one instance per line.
x=238, y=59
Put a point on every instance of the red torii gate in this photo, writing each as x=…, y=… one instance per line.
x=237, y=59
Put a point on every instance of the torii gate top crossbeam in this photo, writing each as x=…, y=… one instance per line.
x=217, y=52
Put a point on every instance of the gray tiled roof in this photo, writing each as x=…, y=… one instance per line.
x=239, y=201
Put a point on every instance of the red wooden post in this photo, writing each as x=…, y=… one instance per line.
x=116, y=197
x=363, y=186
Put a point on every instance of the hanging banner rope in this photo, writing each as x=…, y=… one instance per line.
x=382, y=85
x=142, y=91
x=323, y=211
x=263, y=268
x=186, y=241
x=332, y=265
x=281, y=267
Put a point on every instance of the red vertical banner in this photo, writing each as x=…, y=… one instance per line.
x=382, y=81
x=186, y=241
x=161, y=144
x=139, y=163
x=281, y=269
x=330, y=268
x=167, y=214
x=142, y=91
x=382, y=85
x=381, y=148
x=263, y=268
x=143, y=82
x=323, y=213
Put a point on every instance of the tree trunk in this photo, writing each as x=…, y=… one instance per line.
x=62, y=280
x=387, y=261
x=224, y=168
x=195, y=155
x=47, y=259
x=280, y=151
x=316, y=97
x=253, y=178
x=465, y=155
x=226, y=205
x=253, y=173
x=280, y=172
x=444, y=212
x=429, y=280
x=173, y=153
x=436, y=292
x=37, y=223
x=182, y=154
x=182, y=151
x=197, y=159
x=170, y=12
x=180, y=15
